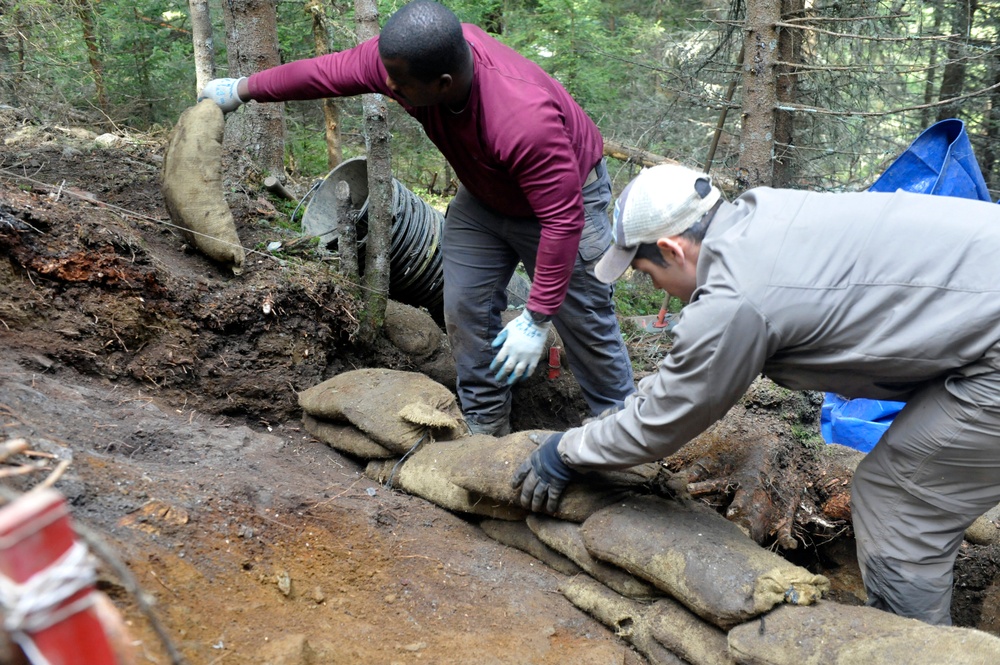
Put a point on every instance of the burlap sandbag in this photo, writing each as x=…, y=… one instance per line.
x=345, y=438
x=663, y=625
x=851, y=635
x=422, y=474
x=625, y=616
x=699, y=558
x=414, y=332
x=192, y=185
x=384, y=472
x=565, y=537
x=396, y=409
x=487, y=465
x=518, y=535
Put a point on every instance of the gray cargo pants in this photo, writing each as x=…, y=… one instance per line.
x=934, y=471
x=480, y=250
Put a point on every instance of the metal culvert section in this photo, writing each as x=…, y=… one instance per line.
x=416, y=272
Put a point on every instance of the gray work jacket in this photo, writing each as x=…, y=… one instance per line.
x=863, y=294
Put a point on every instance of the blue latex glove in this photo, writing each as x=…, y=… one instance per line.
x=521, y=344
x=543, y=476
x=222, y=92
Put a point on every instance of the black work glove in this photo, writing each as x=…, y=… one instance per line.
x=543, y=476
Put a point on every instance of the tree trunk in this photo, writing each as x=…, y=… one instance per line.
x=631, y=154
x=204, y=45
x=258, y=129
x=953, y=77
x=376, y=278
x=927, y=114
x=142, y=55
x=756, y=160
x=789, y=50
x=331, y=112
x=85, y=11
x=8, y=78
x=989, y=154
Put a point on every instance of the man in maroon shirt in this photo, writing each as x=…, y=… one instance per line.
x=534, y=189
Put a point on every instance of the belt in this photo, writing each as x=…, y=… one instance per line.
x=591, y=177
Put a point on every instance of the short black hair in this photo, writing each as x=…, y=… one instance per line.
x=651, y=252
x=696, y=232
x=428, y=37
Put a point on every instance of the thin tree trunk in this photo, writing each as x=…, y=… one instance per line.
x=756, y=163
x=989, y=155
x=85, y=10
x=789, y=50
x=331, y=111
x=926, y=115
x=953, y=77
x=376, y=278
x=204, y=44
x=141, y=56
x=258, y=129
x=8, y=78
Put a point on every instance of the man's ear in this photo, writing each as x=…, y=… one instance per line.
x=445, y=81
x=672, y=250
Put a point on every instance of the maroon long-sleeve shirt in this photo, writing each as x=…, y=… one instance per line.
x=522, y=145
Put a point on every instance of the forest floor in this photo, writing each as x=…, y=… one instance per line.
x=171, y=388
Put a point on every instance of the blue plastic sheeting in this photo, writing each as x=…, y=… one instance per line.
x=856, y=423
x=939, y=161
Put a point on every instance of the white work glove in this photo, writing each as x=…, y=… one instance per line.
x=222, y=92
x=521, y=344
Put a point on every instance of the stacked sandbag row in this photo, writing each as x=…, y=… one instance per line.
x=674, y=578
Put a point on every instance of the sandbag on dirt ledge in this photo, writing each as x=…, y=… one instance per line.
x=488, y=467
x=850, y=635
x=396, y=409
x=698, y=557
x=663, y=631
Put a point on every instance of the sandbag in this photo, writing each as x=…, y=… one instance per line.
x=414, y=332
x=565, y=537
x=421, y=475
x=345, y=438
x=384, y=472
x=698, y=557
x=662, y=626
x=397, y=409
x=191, y=183
x=518, y=535
x=486, y=465
x=625, y=616
x=829, y=633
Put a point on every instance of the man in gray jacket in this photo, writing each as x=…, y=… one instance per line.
x=873, y=295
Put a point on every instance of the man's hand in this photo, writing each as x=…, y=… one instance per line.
x=543, y=476
x=223, y=92
x=522, y=342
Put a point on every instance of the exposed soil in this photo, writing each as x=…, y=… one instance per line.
x=171, y=386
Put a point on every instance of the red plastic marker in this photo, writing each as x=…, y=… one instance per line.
x=555, y=367
x=47, y=585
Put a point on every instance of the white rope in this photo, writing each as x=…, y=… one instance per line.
x=34, y=605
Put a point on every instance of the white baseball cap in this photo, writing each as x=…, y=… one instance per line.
x=660, y=202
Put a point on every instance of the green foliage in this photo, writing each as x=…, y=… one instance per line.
x=653, y=75
x=635, y=295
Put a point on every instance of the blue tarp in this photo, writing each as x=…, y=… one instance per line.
x=940, y=161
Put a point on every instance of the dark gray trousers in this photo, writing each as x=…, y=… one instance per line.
x=934, y=471
x=480, y=250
